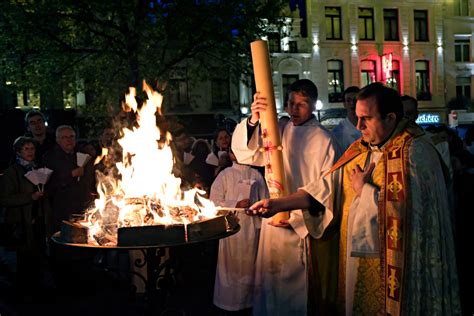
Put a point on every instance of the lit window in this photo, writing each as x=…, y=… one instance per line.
x=422, y=80
x=333, y=23
x=462, y=48
x=335, y=80
x=367, y=72
x=28, y=98
x=390, y=19
x=366, y=24
x=421, y=25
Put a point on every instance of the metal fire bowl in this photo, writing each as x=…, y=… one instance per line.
x=166, y=235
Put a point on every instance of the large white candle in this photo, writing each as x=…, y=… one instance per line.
x=274, y=171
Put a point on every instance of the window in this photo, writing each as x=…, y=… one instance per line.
x=220, y=90
x=366, y=24
x=461, y=7
x=421, y=25
x=463, y=87
x=422, y=80
x=390, y=23
x=462, y=48
x=28, y=98
x=286, y=81
x=178, y=90
x=69, y=100
x=274, y=42
x=335, y=80
x=293, y=46
x=367, y=72
x=333, y=23
x=394, y=80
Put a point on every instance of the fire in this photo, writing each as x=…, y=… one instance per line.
x=146, y=191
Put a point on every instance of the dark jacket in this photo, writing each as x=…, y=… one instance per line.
x=68, y=195
x=30, y=218
x=41, y=149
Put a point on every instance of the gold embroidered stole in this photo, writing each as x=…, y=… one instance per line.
x=392, y=217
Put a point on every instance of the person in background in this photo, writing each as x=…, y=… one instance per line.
x=181, y=145
x=71, y=186
x=28, y=214
x=203, y=173
x=295, y=274
x=36, y=128
x=219, y=155
x=107, y=137
x=435, y=136
x=87, y=147
x=346, y=132
x=397, y=252
x=469, y=140
x=106, y=140
x=237, y=186
x=463, y=153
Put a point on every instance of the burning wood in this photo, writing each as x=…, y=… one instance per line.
x=176, y=233
x=73, y=232
x=144, y=197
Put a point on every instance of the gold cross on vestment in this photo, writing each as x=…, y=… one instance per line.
x=395, y=186
x=393, y=283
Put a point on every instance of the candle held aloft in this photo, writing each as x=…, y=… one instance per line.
x=274, y=170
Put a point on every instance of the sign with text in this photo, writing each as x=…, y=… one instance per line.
x=428, y=118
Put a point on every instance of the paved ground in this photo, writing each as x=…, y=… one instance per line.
x=85, y=288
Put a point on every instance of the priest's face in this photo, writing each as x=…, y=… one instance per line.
x=375, y=130
x=299, y=108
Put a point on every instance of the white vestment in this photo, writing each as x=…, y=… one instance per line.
x=431, y=280
x=345, y=133
x=235, y=272
x=309, y=151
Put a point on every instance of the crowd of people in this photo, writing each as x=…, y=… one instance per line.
x=378, y=207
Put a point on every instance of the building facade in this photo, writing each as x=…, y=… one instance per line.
x=420, y=48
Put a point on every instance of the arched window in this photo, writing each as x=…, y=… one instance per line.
x=335, y=80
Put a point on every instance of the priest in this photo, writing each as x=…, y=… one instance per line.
x=396, y=244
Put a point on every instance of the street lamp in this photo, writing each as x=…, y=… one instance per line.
x=319, y=107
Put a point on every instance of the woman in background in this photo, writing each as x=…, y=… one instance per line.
x=27, y=214
x=219, y=156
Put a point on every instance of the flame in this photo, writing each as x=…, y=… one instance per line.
x=103, y=154
x=146, y=192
